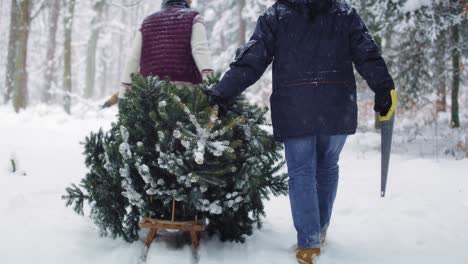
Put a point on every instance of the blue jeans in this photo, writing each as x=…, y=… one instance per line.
x=313, y=182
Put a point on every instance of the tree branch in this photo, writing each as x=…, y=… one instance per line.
x=41, y=7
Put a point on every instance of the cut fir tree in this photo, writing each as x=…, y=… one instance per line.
x=170, y=144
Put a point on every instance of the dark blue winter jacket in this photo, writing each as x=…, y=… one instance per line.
x=314, y=89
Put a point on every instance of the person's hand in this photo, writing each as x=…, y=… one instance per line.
x=385, y=104
x=215, y=98
x=206, y=74
x=111, y=102
x=105, y=105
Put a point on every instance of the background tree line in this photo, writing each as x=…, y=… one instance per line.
x=59, y=51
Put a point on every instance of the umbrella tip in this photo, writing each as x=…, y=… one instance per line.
x=382, y=194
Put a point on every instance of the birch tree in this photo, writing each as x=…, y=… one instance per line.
x=54, y=13
x=20, y=90
x=67, y=56
x=96, y=25
x=242, y=23
x=13, y=36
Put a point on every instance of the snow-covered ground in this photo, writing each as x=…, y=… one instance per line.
x=424, y=219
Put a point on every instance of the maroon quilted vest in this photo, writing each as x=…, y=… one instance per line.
x=166, y=48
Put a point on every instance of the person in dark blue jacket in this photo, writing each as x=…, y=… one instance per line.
x=313, y=45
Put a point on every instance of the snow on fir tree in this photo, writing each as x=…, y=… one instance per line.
x=170, y=144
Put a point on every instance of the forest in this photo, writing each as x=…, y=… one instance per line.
x=72, y=52
x=168, y=152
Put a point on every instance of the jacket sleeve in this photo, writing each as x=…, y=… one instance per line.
x=367, y=57
x=199, y=42
x=251, y=61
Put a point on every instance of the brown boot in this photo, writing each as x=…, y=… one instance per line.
x=307, y=256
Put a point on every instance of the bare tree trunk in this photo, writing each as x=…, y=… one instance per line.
x=440, y=71
x=105, y=70
x=441, y=86
x=54, y=13
x=441, y=103
x=13, y=37
x=242, y=22
x=67, y=54
x=92, y=49
x=107, y=61
x=456, y=54
x=124, y=19
x=20, y=93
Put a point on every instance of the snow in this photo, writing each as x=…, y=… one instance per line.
x=177, y=134
x=413, y=5
x=423, y=219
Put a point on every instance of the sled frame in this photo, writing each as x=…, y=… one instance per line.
x=193, y=227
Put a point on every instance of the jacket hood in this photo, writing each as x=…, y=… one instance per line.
x=175, y=3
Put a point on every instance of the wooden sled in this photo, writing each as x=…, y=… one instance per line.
x=194, y=227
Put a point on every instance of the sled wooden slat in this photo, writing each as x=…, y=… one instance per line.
x=169, y=225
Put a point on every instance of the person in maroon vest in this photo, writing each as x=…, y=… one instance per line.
x=171, y=44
